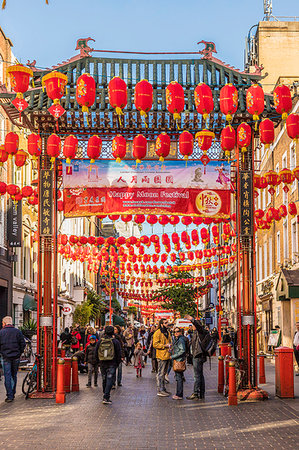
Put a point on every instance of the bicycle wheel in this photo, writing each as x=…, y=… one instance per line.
x=29, y=383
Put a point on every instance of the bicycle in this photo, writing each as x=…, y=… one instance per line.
x=30, y=381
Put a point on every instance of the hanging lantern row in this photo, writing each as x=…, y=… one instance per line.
x=264, y=219
x=17, y=194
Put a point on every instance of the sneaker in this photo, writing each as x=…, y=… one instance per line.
x=88, y=385
x=9, y=400
x=113, y=387
x=193, y=397
x=119, y=384
x=202, y=396
x=176, y=397
x=163, y=394
x=106, y=402
x=96, y=384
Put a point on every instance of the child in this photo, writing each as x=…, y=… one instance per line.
x=91, y=360
x=138, y=359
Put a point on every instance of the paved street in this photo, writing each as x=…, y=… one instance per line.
x=139, y=419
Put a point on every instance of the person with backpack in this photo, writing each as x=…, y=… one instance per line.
x=76, y=338
x=91, y=360
x=108, y=353
x=199, y=358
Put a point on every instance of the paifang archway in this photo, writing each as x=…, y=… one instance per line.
x=102, y=120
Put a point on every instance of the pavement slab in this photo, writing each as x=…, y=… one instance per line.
x=139, y=419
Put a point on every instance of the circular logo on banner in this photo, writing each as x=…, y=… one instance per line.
x=67, y=309
x=208, y=203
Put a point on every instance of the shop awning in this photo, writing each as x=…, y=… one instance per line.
x=117, y=320
x=29, y=303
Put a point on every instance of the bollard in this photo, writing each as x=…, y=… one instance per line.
x=223, y=349
x=60, y=394
x=232, y=394
x=67, y=374
x=262, y=374
x=220, y=374
x=284, y=372
x=62, y=352
x=75, y=377
x=229, y=350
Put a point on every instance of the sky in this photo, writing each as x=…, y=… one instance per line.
x=48, y=34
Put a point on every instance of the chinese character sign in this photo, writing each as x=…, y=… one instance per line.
x=108, y=187
x=246, y=204
x=46, y=202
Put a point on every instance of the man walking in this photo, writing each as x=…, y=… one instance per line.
x=162, y=344
x=199, y=358
x=296, y=346
x=12, y=344
x=108, y=353
x=129, y=337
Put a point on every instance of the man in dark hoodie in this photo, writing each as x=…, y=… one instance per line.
x=91, y=360
x=108, y=354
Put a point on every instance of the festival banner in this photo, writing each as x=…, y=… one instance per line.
x=107, y=187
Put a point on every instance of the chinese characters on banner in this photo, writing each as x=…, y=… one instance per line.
x=107, y=187
x=246, y=204
x=46, y=202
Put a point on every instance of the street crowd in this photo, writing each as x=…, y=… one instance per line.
x=168, y=346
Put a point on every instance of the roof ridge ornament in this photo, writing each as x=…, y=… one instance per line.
x=210, y=48
x=82, y=45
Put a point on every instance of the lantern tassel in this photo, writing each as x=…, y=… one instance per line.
x=143, y=116
x=3, y=4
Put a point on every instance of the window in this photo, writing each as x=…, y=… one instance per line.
x=294, y=241
x=260, y=263
x=270, y=257
x=265, y=260
x=284, y=166
x=293, y=164
x=285, y=240
x=278, y=247
x=277, y=187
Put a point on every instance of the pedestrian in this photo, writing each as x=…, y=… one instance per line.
x=198, y=359
x=162, y=344
x=12, y=344
x=215, y=334
x=179, y=362
x=139, y=354
x=119, y=336
x=226, y=337
x=108, y=353
x=91, y=360
x=296, y=346
x=152, y=350
x=234, y=341
x=76, y=338
x=129, y=337
x=66, y=340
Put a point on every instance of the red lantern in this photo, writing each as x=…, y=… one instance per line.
x=139, y=218
x=34, y=145
x=85, y=91
x=283, y=212
x=175, y=101
x=55, y=83
x=228, y=101
x=12, y=190
x=53, y=146
x=60, y=205
x=287, y=177
x=70, y=148
x=244, y=136
x=296, y=173
x=267, y=132
x=197, y=220
x=174, y=220
x=3, y=155
x=20, y=158
x=19, y=80
x=204, y=139
x=282, y=100
x=143, y=97
x=186, y=220
x=162, y=146
x=152, y=219
x=94, y=147
x=292, y=208
x=273, y=180
x=3, y=188
x=126, y=218
x=255, y=101
x=117, y=93
x=119, y=148
x=163, y=220
x=11, y=143
x=139, y=148
x=186, y=144
x=228, y=140
x=293, y=126
x=259, y=213
x=203, y=99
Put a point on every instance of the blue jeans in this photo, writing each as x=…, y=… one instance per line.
x=199, y=379
x=179, y=383
x=108, y=376
x=10, y=369
x=119, y=373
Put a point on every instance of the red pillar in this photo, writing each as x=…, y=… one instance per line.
x=60, y=393
x=220, y=374
x=262, y=375
x=75, y=377
x=232, y=393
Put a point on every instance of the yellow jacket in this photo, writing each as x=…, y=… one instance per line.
x=159, y=343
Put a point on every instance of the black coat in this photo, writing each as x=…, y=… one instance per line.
x=12, y=342
x=90, y=354
x=197, y=337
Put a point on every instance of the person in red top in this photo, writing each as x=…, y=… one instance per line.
x=76, y=338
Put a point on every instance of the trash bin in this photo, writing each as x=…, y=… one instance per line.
x=284, y=372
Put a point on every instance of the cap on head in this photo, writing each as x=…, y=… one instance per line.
x=93, y=337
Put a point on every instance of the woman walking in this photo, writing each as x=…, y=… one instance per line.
x=179, y=362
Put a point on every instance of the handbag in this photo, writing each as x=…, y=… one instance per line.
x=179, y=366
